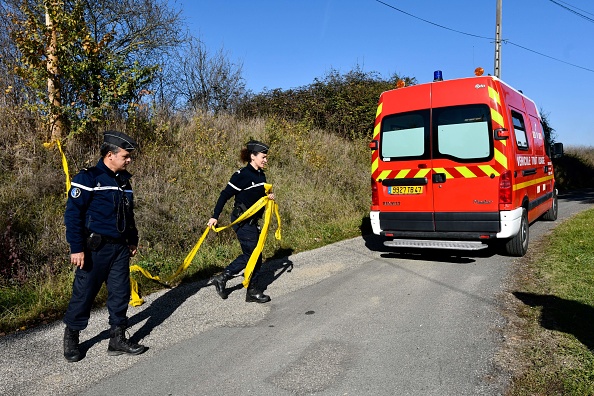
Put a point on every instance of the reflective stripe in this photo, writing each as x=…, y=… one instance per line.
x=102, y=188
x=255, y=185
x=238, y=189
x=81, y=186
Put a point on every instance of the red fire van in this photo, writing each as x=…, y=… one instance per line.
x=459, y=164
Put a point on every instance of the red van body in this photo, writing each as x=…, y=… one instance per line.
x=458, y=164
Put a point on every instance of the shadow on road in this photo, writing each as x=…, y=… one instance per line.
x=584, y=196
x=272, y=269
x=163, y=307
x=559, y=314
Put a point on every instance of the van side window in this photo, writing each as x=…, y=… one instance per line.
x=405, y=136
x=520, y=130
x=463, y=133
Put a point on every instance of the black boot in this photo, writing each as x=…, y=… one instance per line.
x=255, y=295
x=118, y=343
x=71, y=351
x=220, y=281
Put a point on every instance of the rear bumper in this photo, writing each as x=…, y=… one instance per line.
x=444, y=226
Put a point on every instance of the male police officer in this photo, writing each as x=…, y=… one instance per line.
x=102, y=234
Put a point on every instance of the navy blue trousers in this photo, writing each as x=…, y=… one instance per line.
x=248, y=235
x=110, y=264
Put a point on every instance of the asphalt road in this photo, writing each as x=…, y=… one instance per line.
x=352, y=318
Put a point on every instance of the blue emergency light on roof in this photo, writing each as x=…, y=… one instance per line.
x=437, y=75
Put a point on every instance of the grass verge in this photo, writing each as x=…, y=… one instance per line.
x=551, y=317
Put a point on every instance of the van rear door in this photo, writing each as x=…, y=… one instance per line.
x=465, y=184
x=405, y=156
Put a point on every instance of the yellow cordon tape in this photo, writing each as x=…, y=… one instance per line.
x=64, y=162
x=264, y=202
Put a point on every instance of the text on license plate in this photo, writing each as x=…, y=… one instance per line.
x=405, y=190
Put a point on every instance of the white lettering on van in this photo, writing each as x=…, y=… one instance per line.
x=477, y=86
x=523, y=160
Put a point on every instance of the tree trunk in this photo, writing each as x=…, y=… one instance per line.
x=53, y=83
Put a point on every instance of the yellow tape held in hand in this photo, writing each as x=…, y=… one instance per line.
x=264, y=202
x=64, y=162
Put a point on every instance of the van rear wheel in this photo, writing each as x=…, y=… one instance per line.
x=551, y=214
x=518, y=245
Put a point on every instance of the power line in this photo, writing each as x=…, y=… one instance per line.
x=490, y=38
x=573, y=11
x=432, y=23
x=547, y=56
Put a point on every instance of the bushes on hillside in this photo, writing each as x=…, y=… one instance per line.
x=342, y=104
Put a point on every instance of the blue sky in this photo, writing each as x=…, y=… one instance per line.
x=287, y=44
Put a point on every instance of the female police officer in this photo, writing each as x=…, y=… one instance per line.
x=101, y=231
x=247, y=186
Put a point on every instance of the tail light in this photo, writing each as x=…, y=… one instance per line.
x=374, y=193
x=505, y=188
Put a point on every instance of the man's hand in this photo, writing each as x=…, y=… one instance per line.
x=133, y=250
x=78, y=259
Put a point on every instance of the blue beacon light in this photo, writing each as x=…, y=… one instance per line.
x=437, y=76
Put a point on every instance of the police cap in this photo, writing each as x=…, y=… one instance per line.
x=257, y=147
x=120, y=139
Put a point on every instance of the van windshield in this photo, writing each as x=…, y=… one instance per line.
x=460, y=133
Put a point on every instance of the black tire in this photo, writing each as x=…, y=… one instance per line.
x=518, y=245
x=551, y=214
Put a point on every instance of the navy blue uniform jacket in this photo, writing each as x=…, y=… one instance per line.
x=247, y=185
x=100, y=201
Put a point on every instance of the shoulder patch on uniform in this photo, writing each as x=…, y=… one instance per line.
x=75, y=192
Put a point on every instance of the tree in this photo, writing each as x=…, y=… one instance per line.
x=205, y=81
x=549, y=132
x=86, y=59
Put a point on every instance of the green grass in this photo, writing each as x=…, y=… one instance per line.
x=555, y=290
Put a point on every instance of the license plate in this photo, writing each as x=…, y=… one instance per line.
x=405, y=190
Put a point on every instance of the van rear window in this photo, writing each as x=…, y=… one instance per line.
x=405, y=136
x=463, y=133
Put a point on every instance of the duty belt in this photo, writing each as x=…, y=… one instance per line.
x=114, y=241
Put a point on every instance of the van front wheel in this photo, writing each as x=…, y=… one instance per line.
x=518, y=245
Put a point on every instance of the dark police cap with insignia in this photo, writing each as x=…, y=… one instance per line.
x=257, y=147
x=120, y=139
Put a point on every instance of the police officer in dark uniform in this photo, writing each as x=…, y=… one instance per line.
x=102, y=235
x=247, y=186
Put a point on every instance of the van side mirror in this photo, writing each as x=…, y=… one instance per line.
x=373, y=145
x=556, y=150
x=501, y=134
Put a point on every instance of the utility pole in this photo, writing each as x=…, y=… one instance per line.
x=497, y=70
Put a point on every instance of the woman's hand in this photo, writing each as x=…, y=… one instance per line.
x=212, y=222
x=271, y=196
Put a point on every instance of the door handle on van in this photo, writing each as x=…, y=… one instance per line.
x=529, y=172
x=439, y=178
